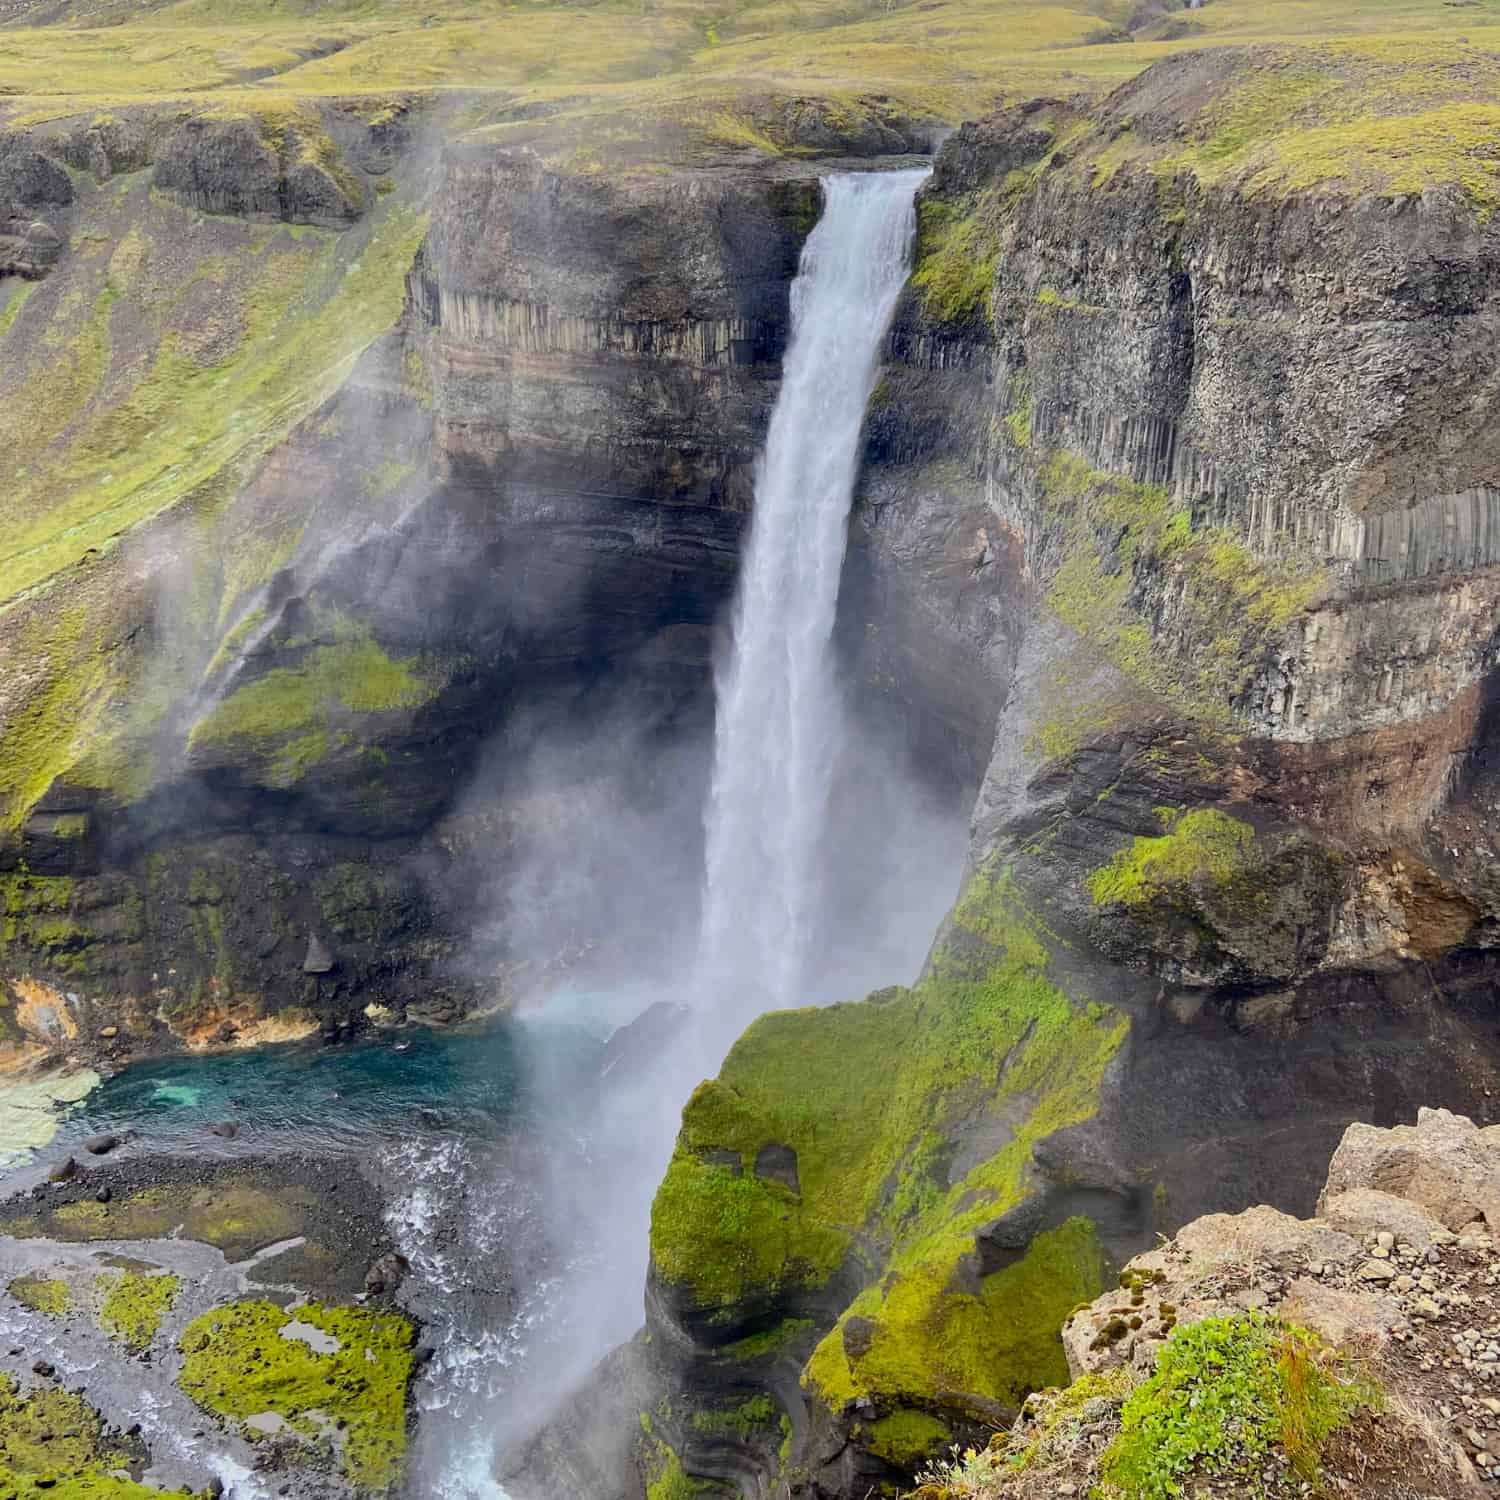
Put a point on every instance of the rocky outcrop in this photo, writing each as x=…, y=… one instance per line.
x=227, y=166
x=35, y=194
x=1376, y=1306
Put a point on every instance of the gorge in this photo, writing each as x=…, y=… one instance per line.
x=390, y=581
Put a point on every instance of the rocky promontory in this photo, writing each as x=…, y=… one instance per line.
x=1353, y=1353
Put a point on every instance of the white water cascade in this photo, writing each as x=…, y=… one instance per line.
x=780, y=717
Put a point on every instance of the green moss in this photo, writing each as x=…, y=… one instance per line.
x=237, y=1218
x=869, y=1145
x=1051, y=300
x=133, y=1304
x=667, y=1479
x=956, y=257
x=1018, y=418
x=10, y=310
x=290, y=714
x=772, y=1341
x=237, y=1361
x=53, y=1447
x=1231, y=612
x=1227, y=1393
x=1204, y=846
x=741, y=1420
x=996, y=1342
x=905, y=1438
x=42, y=1294
x=38, y=920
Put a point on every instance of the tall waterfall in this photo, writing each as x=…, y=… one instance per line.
x=779, y=720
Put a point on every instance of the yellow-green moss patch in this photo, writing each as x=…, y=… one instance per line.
x=292, y=713
x=53, y=1447
x=240, y=1360
x=133, y=1303
x=237, y=1218
x=42, y=1294
x=1204, y=845
x=985, y=1030
x=1232, y=608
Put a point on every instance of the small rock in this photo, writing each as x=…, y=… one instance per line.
x=63, y=1170
x=226, y=1129
x=103, y=1195
x=109, y=1033
x=101, y=1145
x=1385, y=1240
x=44, y=1368
x=1427, y=1308
x=1376, y=1270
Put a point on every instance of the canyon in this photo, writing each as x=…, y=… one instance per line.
x=1172, y=570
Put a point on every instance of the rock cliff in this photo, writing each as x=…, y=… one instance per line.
x=1157, y=459
x=1351, y=1351
x=1173, y=551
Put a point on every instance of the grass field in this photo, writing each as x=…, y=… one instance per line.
x=948, y=58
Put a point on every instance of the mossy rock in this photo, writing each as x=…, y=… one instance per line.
x=133, y=1304
x=238, y=1218
x=314, y=1366
x=53, y=1446
x=42, y=1294
x=985, y=1036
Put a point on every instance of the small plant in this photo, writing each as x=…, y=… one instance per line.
x=1226, y=1392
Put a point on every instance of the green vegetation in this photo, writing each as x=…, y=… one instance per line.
x=996, y=1343
x=665, y=1477
x=956, y=258
x=905, y=1438
x=871, y=1153
x=10, y=309
x=252, y=1357
x=741, y=1420
x=1202, y=846
x=237, y=1218
x=1232, y=610
x=772, y=1341
x=293, y=714
x=133, y=1304
x=42, y=1294
x=53, y=1447
x=1226, y=1393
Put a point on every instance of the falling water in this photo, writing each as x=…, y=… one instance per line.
x=779, y=710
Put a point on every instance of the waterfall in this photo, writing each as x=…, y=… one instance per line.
x=779, y=716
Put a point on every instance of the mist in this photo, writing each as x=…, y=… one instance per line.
x=670, y=857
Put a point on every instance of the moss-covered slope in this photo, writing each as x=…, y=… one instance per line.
x=864, y=1151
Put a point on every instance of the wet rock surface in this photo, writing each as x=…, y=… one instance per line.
x=112, y=1285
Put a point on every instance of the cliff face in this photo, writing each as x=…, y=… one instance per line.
x=240, y=751
x=1185, y=459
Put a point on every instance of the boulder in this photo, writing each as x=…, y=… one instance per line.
x=1363, y=1212
x=1444, y=1164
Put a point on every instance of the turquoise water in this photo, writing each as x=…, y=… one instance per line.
x=505, y=1076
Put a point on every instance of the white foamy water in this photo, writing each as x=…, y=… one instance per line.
x=780, y=714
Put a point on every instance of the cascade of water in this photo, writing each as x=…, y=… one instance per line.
x=779, y=710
